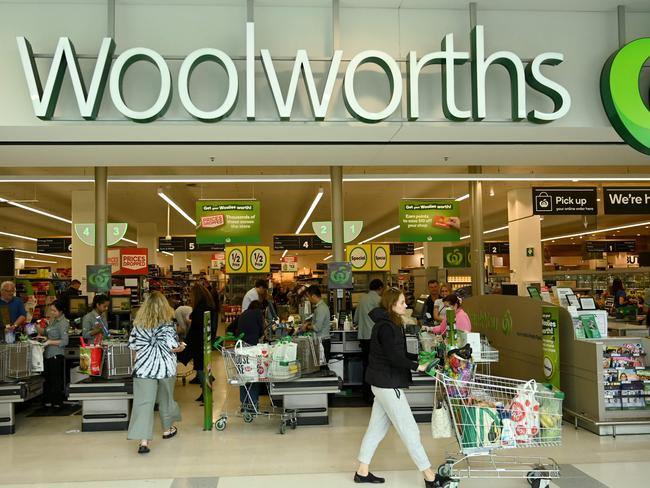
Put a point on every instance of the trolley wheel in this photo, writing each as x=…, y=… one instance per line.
x=283, y=428
x=221, y=424
x=248, y=417
x=536, y=477
x=444, y=470
x=294, y=424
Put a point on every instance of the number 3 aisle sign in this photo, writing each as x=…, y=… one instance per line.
x=247, y=259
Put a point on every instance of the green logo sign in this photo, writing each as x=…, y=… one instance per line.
x=340, y=275
x=99, y=277
x=456, y=257
x=621, y=95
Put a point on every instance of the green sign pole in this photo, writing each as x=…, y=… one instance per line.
x=551, y=344
x=207, y=370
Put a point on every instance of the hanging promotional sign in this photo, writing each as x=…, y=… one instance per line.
x=359, y=257
x=133, y=261
x=289, y=264
x=258, y=259
x=114, y=233
x=236, y=259
x=626, y=200
x=565, y=201
x=429, y=221
x=227, y=222
x=551, y=344
x=455, y=257
x=351, y=230
x=218, y=260
x=381, y=257
x=339, y=276
x=98, y=277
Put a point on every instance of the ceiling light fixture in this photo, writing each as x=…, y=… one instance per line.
x=35, y=260
x=489, y=231
x=284, y=253
x=328, y=257
x=463, y=197
x=491, y=192
x=380, y=234
x=24, y=251
x=319, y=195
x=130, y=241
x=418, y=248
x=168, y=253
x=610, y=229
x=18, y=236
x=188, y=260
x=35, y=210
x=171, y=202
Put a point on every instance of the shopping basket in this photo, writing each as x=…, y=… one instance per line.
x=490, y=413
x=19, y=360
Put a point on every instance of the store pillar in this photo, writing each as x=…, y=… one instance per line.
x=83, y=212
x=179, y=261
x=147, y=236
x=433, y=254
x=525, y=236
x=200, y=262
x=338, y=239
x=476, y=235
x=101, y=213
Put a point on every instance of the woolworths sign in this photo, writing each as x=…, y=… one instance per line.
x=110, y=71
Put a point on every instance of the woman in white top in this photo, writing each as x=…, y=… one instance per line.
x=439, y=307
x=155, y=343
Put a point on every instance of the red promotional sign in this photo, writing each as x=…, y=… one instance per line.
x=289, y=259
x=133, y=261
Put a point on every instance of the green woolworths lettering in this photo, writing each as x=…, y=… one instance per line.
x=621, y=96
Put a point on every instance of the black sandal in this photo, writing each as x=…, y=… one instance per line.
x=143, y=449
x=172, y=432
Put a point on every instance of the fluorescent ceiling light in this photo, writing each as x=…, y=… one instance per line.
x=188, y=260
x=463, y=197
x=418, y=248
x=35, y=210
x=35, y=260
x=42, y=254
x=176, y=207
x=285, y=252
x=599, y=231
x=380, y=234
x=328, y=257
x=489, y=231
x=18, y=236
x=168, y=253
x=129, y=240
x=319, y=195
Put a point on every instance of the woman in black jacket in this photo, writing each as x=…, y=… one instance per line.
x=389, y=372
x=201, y=302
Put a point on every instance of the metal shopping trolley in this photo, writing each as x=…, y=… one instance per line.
x=243, y=369
x=491, y=413
x=485, y=357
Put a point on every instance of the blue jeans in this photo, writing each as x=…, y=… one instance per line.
x=253, y=391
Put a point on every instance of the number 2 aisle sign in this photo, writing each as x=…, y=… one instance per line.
x=248, y=259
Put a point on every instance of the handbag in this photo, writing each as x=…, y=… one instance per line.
x=441, y=427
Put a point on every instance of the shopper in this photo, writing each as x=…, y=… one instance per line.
x=389, y=373
x=251, y=324
x=258, y=292
x=618, y=292
x=439, y=307
x=201, y=302
x=72, y=291
x=12, y=309
x=429, y=305
x=56, y=335
x=321, y=319
x=364, y=323
x=94, y=322
x=182, y=317
x=155, y=343
x=462, y=321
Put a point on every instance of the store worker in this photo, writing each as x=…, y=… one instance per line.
x=439, y=307
x=154, y=340
x=258, y=292
x=364, y=323
x=56, y=334
x=251, y=324
x=94, y=322
x=389, y=373
x=320, y=319
x=618, y=292
x=74, y=290
x=12, y=309
x=430, y=304
x=452, y=302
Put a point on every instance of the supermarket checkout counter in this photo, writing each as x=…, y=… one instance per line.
x=308, y=396
x=105, y=404
x=420, y=396
x=12, y=393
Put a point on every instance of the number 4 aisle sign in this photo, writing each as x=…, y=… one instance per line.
x=247, y=259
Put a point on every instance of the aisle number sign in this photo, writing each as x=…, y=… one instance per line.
x=381, y=257
x=359, y=257
x=236, y=259
x=258, y=259
x=351, y=230
x=114, y=233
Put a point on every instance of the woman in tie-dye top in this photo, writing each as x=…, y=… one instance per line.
x=155, y=343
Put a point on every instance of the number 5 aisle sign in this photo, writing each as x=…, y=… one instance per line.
x=236, y=259
x=248, y=259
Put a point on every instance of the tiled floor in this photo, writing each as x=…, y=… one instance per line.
x=47, y=450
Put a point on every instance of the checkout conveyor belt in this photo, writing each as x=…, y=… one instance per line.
x=105, y=404
x=16, y=392
x=308, y=396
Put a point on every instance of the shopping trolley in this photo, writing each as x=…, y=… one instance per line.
x=4, y=362
x=485, y=357
x=491, y=413
x=244, y=371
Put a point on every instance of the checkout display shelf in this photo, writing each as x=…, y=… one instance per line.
x=105, y=403
x=16, y=392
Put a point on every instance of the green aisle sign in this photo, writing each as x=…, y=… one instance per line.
x=228, y=222
x=429, y=221
x=351, y=230
x=551, y=344
x=114, y=233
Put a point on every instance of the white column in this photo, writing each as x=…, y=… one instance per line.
x=179, y=262
x=200, y=262
x=83, y=212
x=524, y=233
x=147, y=236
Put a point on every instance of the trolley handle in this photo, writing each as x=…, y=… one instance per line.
x=228, y=337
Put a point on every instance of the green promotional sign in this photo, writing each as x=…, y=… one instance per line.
x=114, y=233
x=228, y=222
x=621, y=93
x=339, y=275
x=99, y=277
x=456, y=257
x=429, y=221
x=551, y=344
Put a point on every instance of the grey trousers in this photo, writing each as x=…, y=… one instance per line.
x=391, y=407
x=147, y=392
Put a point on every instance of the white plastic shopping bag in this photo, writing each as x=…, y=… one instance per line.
x=263, y=361
x=36, y=357
x=524, y=412
x=246, y=359
x=285, y=352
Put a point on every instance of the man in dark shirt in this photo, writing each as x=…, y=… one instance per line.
x=434, y=294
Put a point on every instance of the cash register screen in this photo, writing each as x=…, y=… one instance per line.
x=121, y=304
x=78, y=305
x=418, y=309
